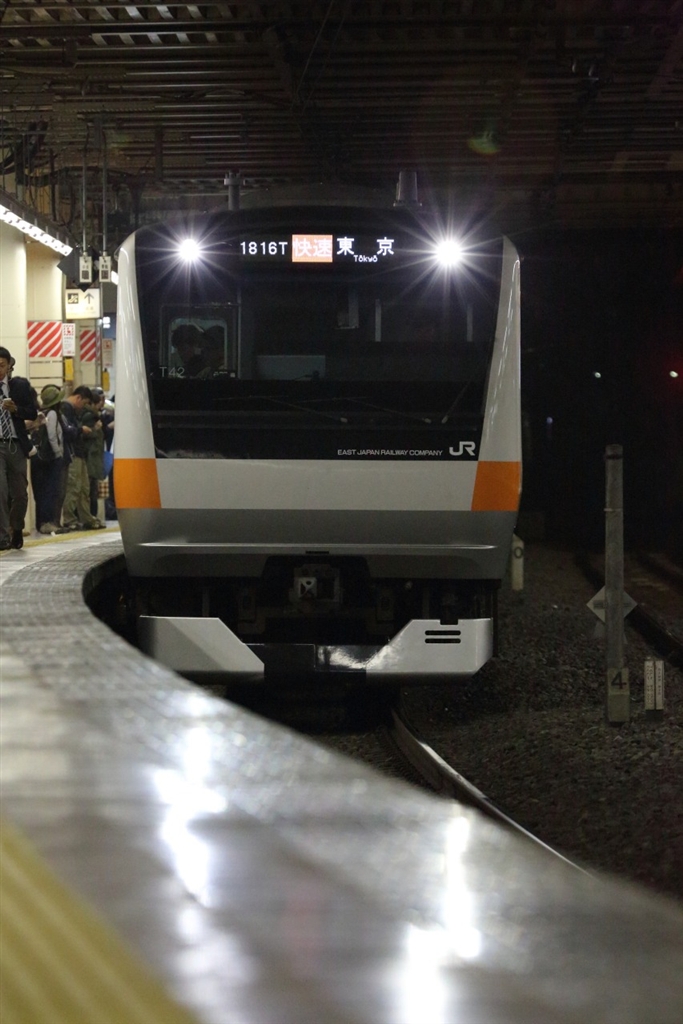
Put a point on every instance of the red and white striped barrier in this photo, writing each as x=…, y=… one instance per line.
x=44, y=339
x=88, y=344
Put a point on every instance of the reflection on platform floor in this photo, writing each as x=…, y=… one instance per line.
x=263, y=879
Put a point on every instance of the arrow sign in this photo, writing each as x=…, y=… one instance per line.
x=597, y=604
x=82, y=305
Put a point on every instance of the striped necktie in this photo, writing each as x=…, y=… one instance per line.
x=5, y=418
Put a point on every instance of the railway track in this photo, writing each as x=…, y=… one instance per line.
x=439, y=776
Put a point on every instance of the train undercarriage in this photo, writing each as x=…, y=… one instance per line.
x=315, y=617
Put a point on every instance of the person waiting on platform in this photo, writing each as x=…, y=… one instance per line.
x=47, y=463
x=108, y=426
x=16, y=406
x=76, y=511
x=94, y=446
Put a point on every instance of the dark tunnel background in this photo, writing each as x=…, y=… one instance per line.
x=607, y=303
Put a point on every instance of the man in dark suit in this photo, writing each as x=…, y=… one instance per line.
x=16, y=405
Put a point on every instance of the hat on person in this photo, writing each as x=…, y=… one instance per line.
x=51, y=395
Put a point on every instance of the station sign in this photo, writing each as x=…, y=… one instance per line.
x=82, y=305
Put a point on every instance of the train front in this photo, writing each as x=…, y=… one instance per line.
x=318, y=434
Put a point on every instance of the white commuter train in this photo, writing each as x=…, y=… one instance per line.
x=318, y=440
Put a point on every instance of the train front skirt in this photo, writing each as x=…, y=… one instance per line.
x=423, y=650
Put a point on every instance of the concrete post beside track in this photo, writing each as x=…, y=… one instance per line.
x=618, y=693
x=517, y=563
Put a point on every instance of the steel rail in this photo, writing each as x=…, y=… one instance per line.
x=448, y=782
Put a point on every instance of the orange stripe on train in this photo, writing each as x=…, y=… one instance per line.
x=497, y=487
x=136, y=483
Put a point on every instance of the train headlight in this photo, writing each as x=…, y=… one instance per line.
x=189, y=250
x=449, y=252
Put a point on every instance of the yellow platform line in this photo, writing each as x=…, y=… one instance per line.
x=59, y=962
x=34, y=542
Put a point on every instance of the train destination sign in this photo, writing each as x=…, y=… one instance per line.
x=311, y=247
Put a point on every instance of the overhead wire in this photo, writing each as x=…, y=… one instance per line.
x=314, y=47
x=330, y=51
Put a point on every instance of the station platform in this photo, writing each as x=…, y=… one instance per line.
x=168, y=856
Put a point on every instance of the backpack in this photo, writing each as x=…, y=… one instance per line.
x=41, y=441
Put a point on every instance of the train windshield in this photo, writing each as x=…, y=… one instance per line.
x=315, y=314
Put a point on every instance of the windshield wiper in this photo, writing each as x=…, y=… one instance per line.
x=376, y=408
x=391, y=412
x=454, y=405
x=308, y=405
x=287, y=405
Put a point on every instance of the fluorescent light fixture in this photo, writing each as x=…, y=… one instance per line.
x=33, y=231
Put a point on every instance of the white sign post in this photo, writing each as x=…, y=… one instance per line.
x=654, y=688
x=517, y=563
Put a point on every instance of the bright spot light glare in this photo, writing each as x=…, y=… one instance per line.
x=673, y=373
x=189, y=249
x=597, y=374
x=449, y=252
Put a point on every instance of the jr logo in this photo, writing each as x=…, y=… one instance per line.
x=468, y=447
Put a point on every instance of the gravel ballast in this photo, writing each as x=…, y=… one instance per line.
x=531, y=731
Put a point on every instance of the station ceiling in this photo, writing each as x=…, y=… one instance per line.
x=550, y=111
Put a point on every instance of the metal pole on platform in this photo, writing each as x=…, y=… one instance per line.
x=618, y=695
x=232, y=180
